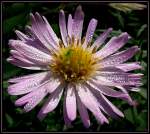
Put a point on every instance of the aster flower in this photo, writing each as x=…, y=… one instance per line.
x=85, y=71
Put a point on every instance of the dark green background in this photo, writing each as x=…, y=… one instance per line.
x=16, y=16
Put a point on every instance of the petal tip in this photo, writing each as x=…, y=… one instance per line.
x=9, y=59
x=62, y=11
x=79, y=7
x=31, y=15
x=110, y=29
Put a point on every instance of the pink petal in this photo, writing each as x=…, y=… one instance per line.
x=33, y=98
x=51, y=32
x=106, y=90
x=41, y=115
x=71, y=103
x=118, y=78
x=32, y=40
x=30, y=52
x=15, y=54
x=129, y=66
x=100, y=40
x=107, y=106
x=28, y=85
x=114, y=108
x=77, y=24
x=65, y=115
x=22, y=36
x=91, y=103
x=25, y=65
x=53, y=100
x=25, y=77
x=40, y=24
x=119, y=57
x=69, y=25
x=62, y=25
x=129, y=88
x=113, y=45
x=90, y=32
x=37, y=29
x=109, y=91
x=83, y=112
x=52, y=85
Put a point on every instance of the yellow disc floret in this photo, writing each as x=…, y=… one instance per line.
x=74, y=63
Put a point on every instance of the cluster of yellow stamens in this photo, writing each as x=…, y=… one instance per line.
x=73, y=63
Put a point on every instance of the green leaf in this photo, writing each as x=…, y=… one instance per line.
x=144, y=65
x=9, y=120
x=143, y=93
x=129, y=115
x=10, y=70
x=142, y=121
x=5, y=84
x=144, y=53
x=19, y=110
x=141, y=30
x=11, y=23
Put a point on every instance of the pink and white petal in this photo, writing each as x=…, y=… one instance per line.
x=15, y=54
x=53, y=100
x=37, y=29
x=62, y=25
x=30, y=52
x=39, y=90
x=112, y=106
x=65, y=115
x=52, y=33
x=118, y=78
x=90, y=32
x=30, y=32
x=107, y=106
x=22, y=36
x=77, y=24
x=33, y=98
x=71, y=102
x=109, y=91
x=101, y=39
x=123, y=89
x=106, y=90
x=29, y=84
x=108, y=69
x=113, y=45
x=41, y=115
x=46, y=34
x=129, y=66
x=32, y=40
x=83, y=112
x=25, y=77
x=32, y=102
x=91, y=103
x=69, y=25
x=52, y=85
x=41, y=24
x=25, y=65
x=119, y=57
x=129, y=88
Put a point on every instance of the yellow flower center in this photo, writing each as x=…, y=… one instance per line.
x=74, y=64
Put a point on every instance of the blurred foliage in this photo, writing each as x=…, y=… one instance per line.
x=16, y=16
x=127, y=7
